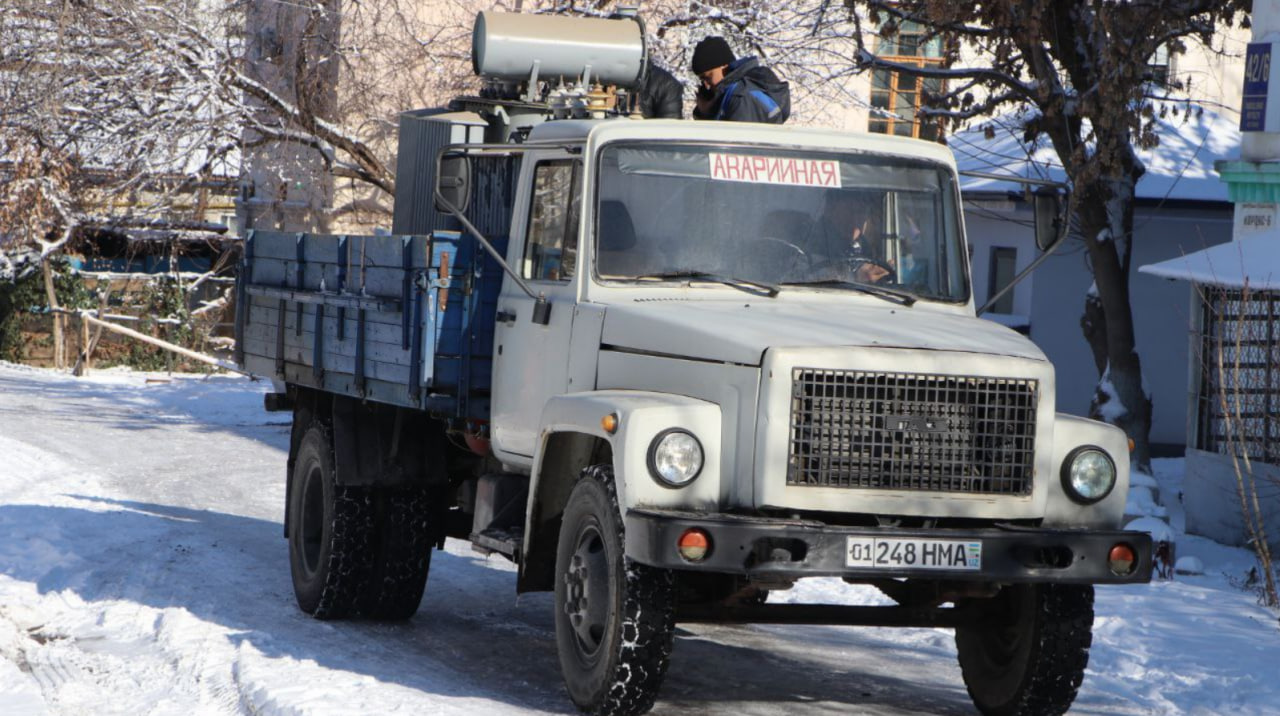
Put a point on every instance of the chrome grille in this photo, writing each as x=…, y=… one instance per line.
x=912, y=431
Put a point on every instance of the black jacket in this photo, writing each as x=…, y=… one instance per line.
x=749, y=92
x=661, y=96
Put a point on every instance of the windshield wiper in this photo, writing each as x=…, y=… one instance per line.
x=892, y=295
x=769, y=289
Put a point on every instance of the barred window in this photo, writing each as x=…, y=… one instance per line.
x=1240, y=366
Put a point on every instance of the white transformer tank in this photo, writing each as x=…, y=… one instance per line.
x=511, y=46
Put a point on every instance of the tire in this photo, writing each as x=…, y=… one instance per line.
x=1028, y=651
x=401, y=543
x=615, y=619
x=329, y=528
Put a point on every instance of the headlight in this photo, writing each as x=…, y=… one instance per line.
x=675, y=458
x=1088, y=474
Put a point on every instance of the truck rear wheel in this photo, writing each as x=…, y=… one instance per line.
x=329, y=527
x=614, y=619
x=1027, y=652
x=402, y=542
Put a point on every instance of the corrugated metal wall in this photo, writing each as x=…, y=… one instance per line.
x=422, y=134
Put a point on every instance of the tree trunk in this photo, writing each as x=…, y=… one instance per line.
x=1094, y=326
x=291, y=48
x=1106, y=220
x=51, y=294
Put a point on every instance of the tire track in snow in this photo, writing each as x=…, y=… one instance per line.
x=115, y=657
x=22, y=690
x=110, y=653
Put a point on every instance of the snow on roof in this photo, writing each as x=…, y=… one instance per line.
x=1255, y=260
x=1181, y=167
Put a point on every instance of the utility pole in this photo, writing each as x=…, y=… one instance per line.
x=290, y=49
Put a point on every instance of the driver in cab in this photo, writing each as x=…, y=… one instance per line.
x=845, y=234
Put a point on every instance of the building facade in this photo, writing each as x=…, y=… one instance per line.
x=1231, y=488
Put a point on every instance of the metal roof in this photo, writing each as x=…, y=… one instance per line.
x=1180, y=168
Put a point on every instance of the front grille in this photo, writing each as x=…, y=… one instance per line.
x=912, y=431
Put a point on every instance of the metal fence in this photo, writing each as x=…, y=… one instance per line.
x=1239, y=364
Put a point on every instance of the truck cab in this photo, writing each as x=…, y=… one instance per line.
x=701, y=271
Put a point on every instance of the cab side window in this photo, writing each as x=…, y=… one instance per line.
x=551, y=241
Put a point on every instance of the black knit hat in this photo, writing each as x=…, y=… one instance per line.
x=711, y=53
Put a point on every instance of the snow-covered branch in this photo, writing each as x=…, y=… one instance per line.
x=869, y=60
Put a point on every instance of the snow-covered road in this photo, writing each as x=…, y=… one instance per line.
x=143, y=571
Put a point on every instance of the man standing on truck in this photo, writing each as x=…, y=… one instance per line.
x=737, y=90
x=661, y=96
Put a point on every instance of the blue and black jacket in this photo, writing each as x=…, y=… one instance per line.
x=749, y=92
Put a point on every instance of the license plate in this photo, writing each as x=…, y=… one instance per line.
x=893, y=553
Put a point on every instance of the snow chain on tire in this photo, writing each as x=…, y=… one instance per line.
x=375, y=546
x=402, y=544
x=624, y=676
x=333, y=589
x=1039, y=671
x=349, y=561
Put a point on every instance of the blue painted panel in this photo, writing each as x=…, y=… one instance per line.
x=451, y=342
x=465, y=326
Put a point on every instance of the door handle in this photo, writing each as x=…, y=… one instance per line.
x=507, y=317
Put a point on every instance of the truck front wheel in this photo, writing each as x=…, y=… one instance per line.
x=614, y=619
x=1027, y=650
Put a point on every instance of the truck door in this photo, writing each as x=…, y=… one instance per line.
x=532, y=359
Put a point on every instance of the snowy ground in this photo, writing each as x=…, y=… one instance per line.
x=143, y=571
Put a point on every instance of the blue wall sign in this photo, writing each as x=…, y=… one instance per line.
x=1254, y=114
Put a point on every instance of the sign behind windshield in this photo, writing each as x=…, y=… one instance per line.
x=788, y=171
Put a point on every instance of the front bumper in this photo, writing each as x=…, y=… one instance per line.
x=766, y=548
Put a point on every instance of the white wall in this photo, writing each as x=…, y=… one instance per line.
x=1215, y=74
x=1053, y=297
x=1210, y=487
x=990, y=224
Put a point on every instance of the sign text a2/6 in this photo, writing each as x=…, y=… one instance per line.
x=1258, y=112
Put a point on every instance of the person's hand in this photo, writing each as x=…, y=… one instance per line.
x=870, y=273
x=703, y=99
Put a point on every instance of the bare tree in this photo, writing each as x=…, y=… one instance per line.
x=807, y=42
x=143, y=101
x=114, y=115
x=96, y=116
x=1077, y=70
x=121, y=114
x=140, y=92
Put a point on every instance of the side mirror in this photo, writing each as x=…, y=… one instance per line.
x=1050, y=222
x=453, y=181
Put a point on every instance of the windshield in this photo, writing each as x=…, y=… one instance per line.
x=781, y=217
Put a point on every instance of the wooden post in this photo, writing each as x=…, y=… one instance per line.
x=83, y=361
x=51, y=294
